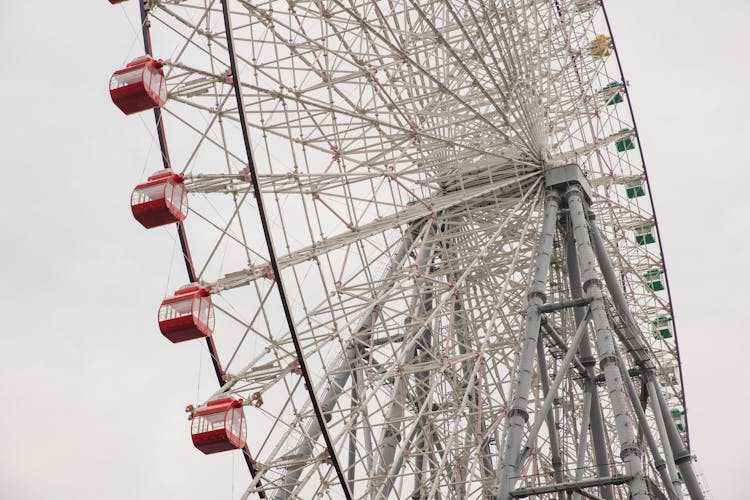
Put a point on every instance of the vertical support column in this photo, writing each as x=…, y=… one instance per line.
x=355, y=398
x=554, y=439
x=633, y=340
x=565, y=365
x=423, y=352
x=583, y=435
x=630, y=453
x=474, y=415
x=419, y=466
x=598, y=436
x=420, y=305
x=390, y=440
x=674, y=490
x=681, y=455
x=518, y=414
x=662, y=429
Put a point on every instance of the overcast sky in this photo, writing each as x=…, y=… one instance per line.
x=93, y=396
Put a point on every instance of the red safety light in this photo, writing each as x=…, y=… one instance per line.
x=159, y=201
x=139, y=86
x=187, y=315
x=219, y=426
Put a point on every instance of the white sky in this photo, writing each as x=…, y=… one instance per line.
x=92, y=394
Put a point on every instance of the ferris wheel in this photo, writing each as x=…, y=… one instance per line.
x=420, y=247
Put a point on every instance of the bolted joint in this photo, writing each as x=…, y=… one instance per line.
x=643, y=368
x=536, y=293
x=608, y=360
x=589, y=283
x=574, y=190
x=629, y=450
x=682, y=456
x=518, y=411
x=588, y=360
x=553, y=195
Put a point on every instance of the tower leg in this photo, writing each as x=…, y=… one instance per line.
x=518, y=415
x=608, y=359
x=681, y=455
x=562, y=369
x=554, y=439
x=666, y=474
x=420, y=305
x=676, y=484
x=598, y=436
x=583, y=435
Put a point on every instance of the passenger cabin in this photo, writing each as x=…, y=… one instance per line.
x=139, y=86
x=635, y=189
x=663, y=327
x=218, y=426
x=644, y=234
x=626, y=142
x=161, y=200
x=653, y=279
x=601, y=46
x=611, y=93
x=678, y=415
x=187, y=315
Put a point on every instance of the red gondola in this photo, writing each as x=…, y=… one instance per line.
x=187, y=315
x=159, y=201
x=139, y=86
x=219, y=426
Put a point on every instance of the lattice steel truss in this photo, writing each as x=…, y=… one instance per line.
x=410, y=302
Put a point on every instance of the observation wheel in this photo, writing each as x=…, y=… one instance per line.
x=419, y=245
